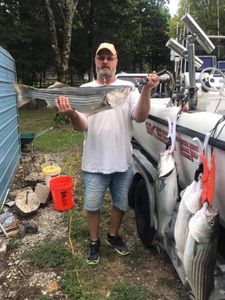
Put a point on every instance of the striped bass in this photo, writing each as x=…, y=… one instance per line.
x=201, y=251
x=166, y=193
x=87, y=100
x=166, y=183
x=190, y=203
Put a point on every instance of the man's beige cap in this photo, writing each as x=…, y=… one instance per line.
x=108, y=46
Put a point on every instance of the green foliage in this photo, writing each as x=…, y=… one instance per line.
x=70, y=286
x=204, y=12
x=13, y=244
x=61, y=138
x=24, y=32
x=131, y=292
x=43, y=297
x=49, y=254
x=71, y=283
x=209, y=16
x=78, y=225
x=173, y=23
x=133, y=27
x=138, y=29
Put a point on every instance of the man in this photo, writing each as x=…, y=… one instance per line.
x=107, y=153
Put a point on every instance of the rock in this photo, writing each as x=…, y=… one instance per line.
x=52, y=287
x=44, y=293
x=34, y=176
x=27, y=203
x=12, y=294
x=7, y=219
x=25, y=228
x=42, y=192
x=10, y=203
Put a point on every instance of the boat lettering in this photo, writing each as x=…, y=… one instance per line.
x=157, y=132
x=187, y=149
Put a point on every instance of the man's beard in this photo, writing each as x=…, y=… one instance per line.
x=105, y=74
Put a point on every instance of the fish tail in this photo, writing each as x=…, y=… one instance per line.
x=23, y=93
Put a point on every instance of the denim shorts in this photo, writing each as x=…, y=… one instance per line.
x=96, y=185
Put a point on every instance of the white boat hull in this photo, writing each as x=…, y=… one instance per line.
x=152, y=137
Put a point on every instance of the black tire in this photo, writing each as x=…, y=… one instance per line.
x=131, y=194
x=146, y=233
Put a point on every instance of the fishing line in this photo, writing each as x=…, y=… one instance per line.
x=213, y=132
x=180, y=112
x=217, y=123
x=217, y=136
x=172, y=131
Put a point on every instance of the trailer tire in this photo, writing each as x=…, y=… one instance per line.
x=145, y=231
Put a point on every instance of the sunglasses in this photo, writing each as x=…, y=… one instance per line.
x=103, y=57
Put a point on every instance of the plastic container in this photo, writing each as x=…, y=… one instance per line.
x=51, y=172
x=62, y=192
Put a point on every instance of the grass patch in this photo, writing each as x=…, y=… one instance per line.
x=131, y=292
x=79, y=231
x=166, y=282
x=48, y=254
x=61, y=138
x=71, y=282
x=13, y=244
x=43, y=297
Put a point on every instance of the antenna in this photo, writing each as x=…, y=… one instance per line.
x=201, y=37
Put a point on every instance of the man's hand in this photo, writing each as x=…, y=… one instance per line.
x=143, y=107
x=63, y=104
x=153, y=80
x=79, y=121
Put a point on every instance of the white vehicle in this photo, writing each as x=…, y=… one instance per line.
x=203, y=92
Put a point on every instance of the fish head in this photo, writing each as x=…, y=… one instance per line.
x=204, y=224
x=118, y=95
x=212, y=216
x=166, y=164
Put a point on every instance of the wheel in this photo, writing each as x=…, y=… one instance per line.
x=131, y=194
x=210, y=79
x=146, y=233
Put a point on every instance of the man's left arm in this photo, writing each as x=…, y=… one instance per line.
x=142, y=109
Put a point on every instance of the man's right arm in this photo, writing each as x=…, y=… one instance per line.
x=78, y=120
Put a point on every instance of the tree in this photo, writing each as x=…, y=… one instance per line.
x=24, y=35
x=60, y=15
x=132, y=26
x=153, y=19
x=209, y=16
x=137, y=28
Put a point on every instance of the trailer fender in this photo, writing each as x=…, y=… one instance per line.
x=143, y=195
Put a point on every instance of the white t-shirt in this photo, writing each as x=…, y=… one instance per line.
x=107, y=146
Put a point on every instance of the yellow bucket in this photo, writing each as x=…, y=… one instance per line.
x=51, y=172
